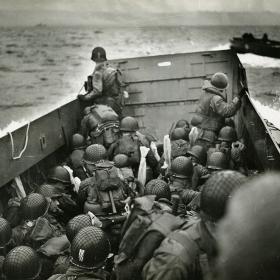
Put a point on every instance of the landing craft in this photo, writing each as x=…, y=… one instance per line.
x=261, y=46
x=162, y=89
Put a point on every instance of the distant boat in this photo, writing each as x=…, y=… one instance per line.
x=249, y=44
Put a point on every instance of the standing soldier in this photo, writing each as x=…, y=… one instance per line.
x=188, y=253
x=248, y=236
x=213, y=109
x=105, y=85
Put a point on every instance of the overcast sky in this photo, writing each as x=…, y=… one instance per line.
x=142, y=5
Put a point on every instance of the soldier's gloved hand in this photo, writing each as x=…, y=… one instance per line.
x=242, y=92
x=81, y=97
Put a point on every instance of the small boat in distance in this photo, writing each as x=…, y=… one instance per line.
x=249, y=44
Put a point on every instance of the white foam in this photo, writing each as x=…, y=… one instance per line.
x=12, y=126
x=221, y=47
x=268, y=113
x=254, y=60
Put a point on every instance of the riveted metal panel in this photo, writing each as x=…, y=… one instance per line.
x=167, y=87
x=46, y=135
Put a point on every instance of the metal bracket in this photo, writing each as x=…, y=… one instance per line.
x=43, y=141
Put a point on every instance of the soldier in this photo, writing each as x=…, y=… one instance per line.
x=105, y=85
x=62, y=206
x=248, y=236
x=179, y=142
x=181, y=180
x=232, y=148
x=135, y=187
x=188, y=253
x=72, y=228
x=159, y=188
x=184, y=124
x=37, y=226
x=5, y=237
x=22, y=263
x=129, y=144
x=104, y=192
x=213, y=109
x=198, y=156
x=60, y=178
x=150, y=220
x=75, y=160
x=89, y=251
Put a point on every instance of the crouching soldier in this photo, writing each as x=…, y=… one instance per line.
x=75, y=160
x=22, y=263
x=129, y=144
x=90, y=249
x=104, y=192
x=198, y=156
x=134, y=186
x=37, y=225
x=149, y=222
x=188, y=253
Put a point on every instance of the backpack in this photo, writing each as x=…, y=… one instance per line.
x=188, y=247
x=112, y=82
x=142, y=233
x=100, y=119
x=179, y=148
x=129, y=146
x=109, y=184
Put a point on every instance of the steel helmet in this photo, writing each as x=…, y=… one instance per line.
x=199, y=153
x=76, y=224
x=98, y=54
x=216, y=192
x=159, y=188
x=95, y=153
x=33, y=206
x=78, y=141
x=129, y=124
x=248, y=235
x=179, y=133
x=121, y=160
x=219, y=80
x=90, y=248
x=227, y=134
x=59, y=174
x=5, y=232
x=22, y=263
x=182, y=167
x=48, y=190
x=217, y=161
x=182, y=123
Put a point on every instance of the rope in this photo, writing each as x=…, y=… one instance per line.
x=25, y=144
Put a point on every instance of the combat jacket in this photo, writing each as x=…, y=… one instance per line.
x=75, y=273
x=185, y=254
x=210, y=114
x=106, y=87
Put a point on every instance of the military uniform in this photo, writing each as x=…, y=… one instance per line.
x=76, y=273
x=183, y=254
x=213, y=109
x=106, y=87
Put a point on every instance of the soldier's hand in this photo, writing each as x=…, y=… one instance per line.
x=242, y=92
x=81, y=97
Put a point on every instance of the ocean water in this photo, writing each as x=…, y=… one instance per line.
x=41, y=67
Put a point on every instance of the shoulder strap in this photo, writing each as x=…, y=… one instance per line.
x=190, y=245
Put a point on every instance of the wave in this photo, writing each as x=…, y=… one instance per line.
x=258, y=61
x=268, y=113
x=12, y=126
x=221, y=47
